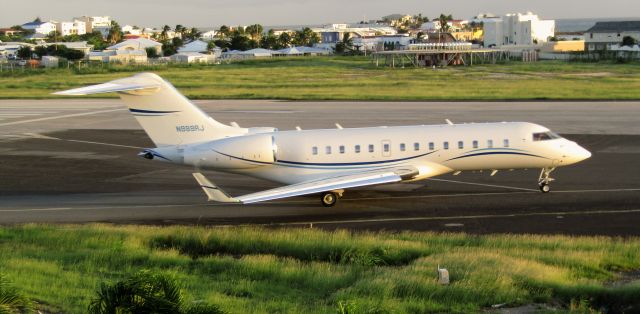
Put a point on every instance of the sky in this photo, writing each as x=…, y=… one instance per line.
x=204, y=13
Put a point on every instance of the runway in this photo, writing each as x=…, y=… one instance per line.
x=74, y=161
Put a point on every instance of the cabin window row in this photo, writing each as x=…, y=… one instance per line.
x=386, y=147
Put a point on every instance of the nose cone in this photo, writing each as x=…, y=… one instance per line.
x=578, y=154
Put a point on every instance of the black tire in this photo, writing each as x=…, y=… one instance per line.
x=545, y=188
x=328, y=199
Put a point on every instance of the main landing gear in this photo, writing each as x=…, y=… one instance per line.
x=329, y=199
x=544, y=179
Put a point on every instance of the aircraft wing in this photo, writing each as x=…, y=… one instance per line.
x=338, y=182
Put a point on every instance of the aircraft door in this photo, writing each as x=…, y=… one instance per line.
x=386, y=148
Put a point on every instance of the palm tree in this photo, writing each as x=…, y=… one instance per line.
x=144, y=292
x=115, y=33
x=180, y=30
x=306, y=37
x=164, y=35
x=255, y=31
x=444, y=22
x=284, y=40
x=223, y=32
x=194, y=33
x=11, y=301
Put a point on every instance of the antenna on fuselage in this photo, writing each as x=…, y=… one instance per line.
x=448, y=121
x=298, y=128
x=339, y=126
x=234, y=124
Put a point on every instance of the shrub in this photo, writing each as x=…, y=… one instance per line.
x=11, y=301
x=145, y=292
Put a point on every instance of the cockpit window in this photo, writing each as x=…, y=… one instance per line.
x=544, y=136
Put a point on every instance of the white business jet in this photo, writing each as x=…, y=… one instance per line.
x=329, y=161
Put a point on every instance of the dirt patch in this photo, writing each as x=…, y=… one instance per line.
x=624, y=278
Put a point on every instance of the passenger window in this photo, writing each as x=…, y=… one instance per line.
x=416, y=146
x=386, y=148
x=357, y=149
x=371, y=148
x=445, y=145
x=506, y=143
x=328, y=150
x=460, y=144
x=475, y=144
x=489, y=143
x=432, y=146
x=403, y=147
x=341, y=149
x=314, y=150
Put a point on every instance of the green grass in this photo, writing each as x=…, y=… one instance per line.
x=354, y=78
x=249, y=269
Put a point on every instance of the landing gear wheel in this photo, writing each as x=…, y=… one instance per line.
x=545, y=188
x=329, y=199
x=545, y=179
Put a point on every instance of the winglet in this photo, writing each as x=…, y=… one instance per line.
x=213, y=192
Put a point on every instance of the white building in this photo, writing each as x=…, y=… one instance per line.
x=434, y=26
x=194, y=46
x=606, y=35
x=96, y=23
x=9, y=50
x=137, y=44
x=75, y=45
x=377, y=43
x=44, y=28
x=517, y=29
x=333, y=33
x=192, y=57
x=209, y=35
x=133, y=30
x=77, y=27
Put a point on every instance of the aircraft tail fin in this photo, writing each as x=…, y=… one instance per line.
x=165, y=114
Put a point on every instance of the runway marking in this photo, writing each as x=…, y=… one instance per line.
x=354, y=221
x=95, y=207
x=313, y=201
x=100, y=143
x=484, y=184
x=487, y=194
x=258, y=111
x=44, y=137
x=61, y=117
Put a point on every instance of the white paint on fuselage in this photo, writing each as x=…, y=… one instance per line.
x=296, y=161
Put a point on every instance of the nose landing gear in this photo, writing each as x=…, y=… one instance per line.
x=545, y=179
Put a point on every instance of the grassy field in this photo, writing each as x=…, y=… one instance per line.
x=247, y=270
x=355, y=78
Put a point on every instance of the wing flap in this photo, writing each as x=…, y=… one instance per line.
x=318, y=186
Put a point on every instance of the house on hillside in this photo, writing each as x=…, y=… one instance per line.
x=194, y=46
x=76, y=45
x=128, y=51
x=44, y=28
x=9, y=31
x=605, y=35
x=9, y=50
x=137, y=44
x=192, y=57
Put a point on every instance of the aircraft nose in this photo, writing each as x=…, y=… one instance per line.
x=580, y=153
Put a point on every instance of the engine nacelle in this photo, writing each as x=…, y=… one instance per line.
x=240, y=152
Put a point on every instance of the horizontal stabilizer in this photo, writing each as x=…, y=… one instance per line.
x=110, y=87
